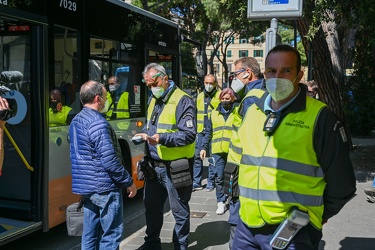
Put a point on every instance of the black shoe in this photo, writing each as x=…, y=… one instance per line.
x=143, y=247
x=146, y=246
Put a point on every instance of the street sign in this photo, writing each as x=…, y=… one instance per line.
x=268, y=9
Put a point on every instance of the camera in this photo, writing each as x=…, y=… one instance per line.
x=12, y=111
x=16, y=101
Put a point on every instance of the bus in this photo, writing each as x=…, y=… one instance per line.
x=59, y=45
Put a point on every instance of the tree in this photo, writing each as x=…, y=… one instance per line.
x=209, y=21
x=338, y=33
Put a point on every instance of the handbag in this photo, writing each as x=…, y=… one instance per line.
x=181, y=175
x=74, y=218
x=231, y=180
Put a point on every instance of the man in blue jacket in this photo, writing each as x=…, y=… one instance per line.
x=97, y=172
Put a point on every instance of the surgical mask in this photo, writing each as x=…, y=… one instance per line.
x=113, y=87
x=105, y=108
x=208, y=87
x=157, y=92
x=237, y=85
x=279, y=88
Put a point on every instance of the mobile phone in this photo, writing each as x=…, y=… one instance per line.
x=295, y=220
x=137, y=139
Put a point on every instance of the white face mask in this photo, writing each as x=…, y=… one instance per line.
x=106, y=107
x=113, y=87
x=208, y=87
x=157, y=91
x=279, y=88
x=237, y=85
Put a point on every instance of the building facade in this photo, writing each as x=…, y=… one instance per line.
x=238, y=47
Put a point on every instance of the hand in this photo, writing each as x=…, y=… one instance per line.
x=4, y=105
x=153, y=140
x=202, y=154
x=132, y=191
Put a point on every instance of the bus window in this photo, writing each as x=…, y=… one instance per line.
x=65, y=83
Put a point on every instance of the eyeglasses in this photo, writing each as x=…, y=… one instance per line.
x=236, y=73
x=152, y=77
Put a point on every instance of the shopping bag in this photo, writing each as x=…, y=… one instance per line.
x=74, y=218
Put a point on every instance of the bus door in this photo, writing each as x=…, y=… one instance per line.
x=126, y=113
x=20, y=179
x=63, y=105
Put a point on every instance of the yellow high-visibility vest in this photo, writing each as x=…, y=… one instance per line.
x=280, y=171
x=201, y=114
x=59, y=118
x=167, y=124
x=221, y=131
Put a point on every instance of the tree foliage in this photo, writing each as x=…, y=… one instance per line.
x=335, y=34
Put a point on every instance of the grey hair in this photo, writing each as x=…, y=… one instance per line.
x=89, y=90
x=156, y=67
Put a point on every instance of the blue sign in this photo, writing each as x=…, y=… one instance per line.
x=277, y=1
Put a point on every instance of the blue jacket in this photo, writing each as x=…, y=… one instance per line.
x=95, y=155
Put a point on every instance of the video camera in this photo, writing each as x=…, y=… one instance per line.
x=17, y=103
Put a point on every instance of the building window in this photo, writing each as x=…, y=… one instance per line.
x=229, y=40
x=229, y=53
x=243, y=53
x=216, y=68
x=258, y=53
x=216, y=54
x=244, y=40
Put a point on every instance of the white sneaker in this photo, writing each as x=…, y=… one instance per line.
x=220, y=208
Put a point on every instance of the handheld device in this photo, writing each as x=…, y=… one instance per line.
x=294, y=221
x=137, y=139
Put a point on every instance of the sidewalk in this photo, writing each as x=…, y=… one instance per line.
x=207, y=229
x=352, y=228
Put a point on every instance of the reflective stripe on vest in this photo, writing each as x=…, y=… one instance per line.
x=167, y=124
x=221, y=131
x=200, y=108
x=280, y=171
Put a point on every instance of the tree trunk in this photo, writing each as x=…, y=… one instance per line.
x=325, y=70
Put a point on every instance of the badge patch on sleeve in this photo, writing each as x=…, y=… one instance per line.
x=189, y=123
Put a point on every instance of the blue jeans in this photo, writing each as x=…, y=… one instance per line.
x=220, y=161
x=103, y=221
x=198, y=164
x=154, y=196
